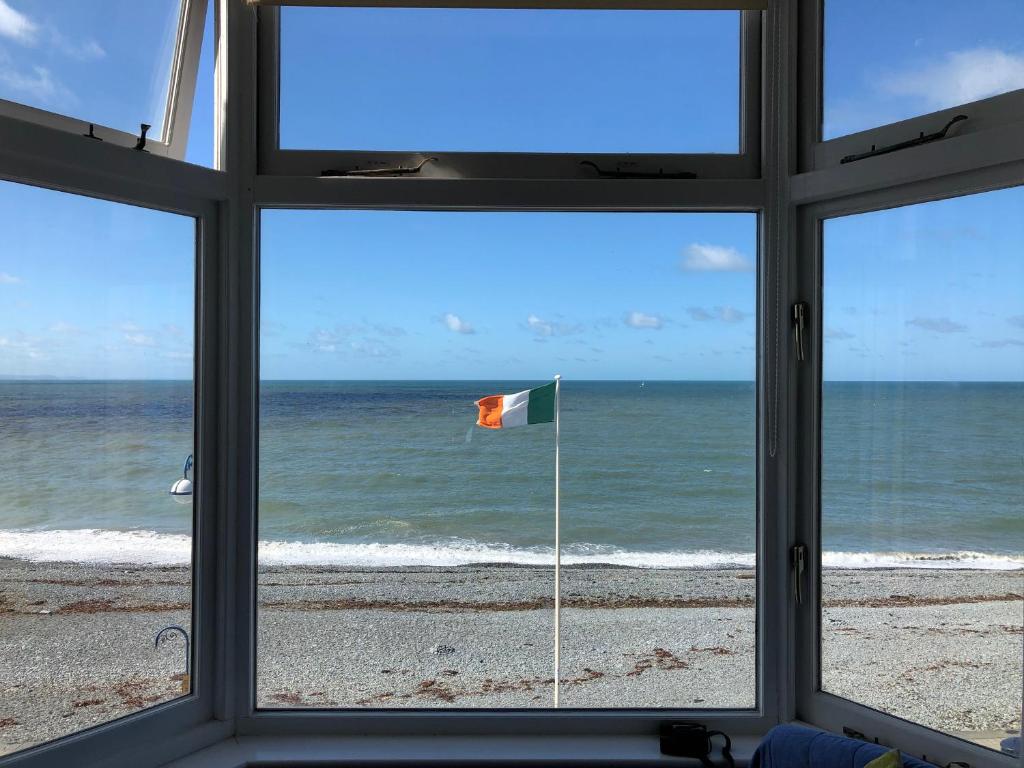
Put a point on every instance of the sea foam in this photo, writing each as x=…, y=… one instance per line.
x=90, y=545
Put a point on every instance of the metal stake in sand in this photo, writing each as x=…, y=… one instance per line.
x=558, y=540
x=162, y=635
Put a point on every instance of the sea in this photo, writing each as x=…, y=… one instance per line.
x=656, y=474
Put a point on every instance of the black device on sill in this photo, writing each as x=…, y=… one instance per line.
x=693, y=740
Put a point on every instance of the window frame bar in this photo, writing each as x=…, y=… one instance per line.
x=181, y=88
x=814, y=705
x=273, y=160
x=487, y=195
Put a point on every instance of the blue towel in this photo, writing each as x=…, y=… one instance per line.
x=793, y=746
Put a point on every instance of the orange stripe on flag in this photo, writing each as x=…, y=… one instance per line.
x=490, y=411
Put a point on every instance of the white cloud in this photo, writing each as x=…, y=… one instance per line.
x=372, y=348
x=323, y=340
x=8, y=279
x=1000, y=343
x=725, y=314
x=456, y=324
x=730, y=314
x=1017, y=320
x=22, y=346
x=64, y=328
x=641, y=320
x=89, y=50
x=39, y=84
x=140, y=340
x=543, y=327
x=703, y=257
x=963, y=76
x=357, y=339
x=16, y=25
x=937, y=324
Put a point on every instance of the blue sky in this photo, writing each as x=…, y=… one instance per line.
x=507, y=295
x=94, y=289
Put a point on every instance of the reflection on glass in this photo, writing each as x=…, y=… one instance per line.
x=105, y=61
x=406, y=554
x=96, y=404
x=926, y=56
x=510, y=80
x=922, y=480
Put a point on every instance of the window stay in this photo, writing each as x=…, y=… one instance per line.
x=395, y=171
x=922, y=139
x=619, y=174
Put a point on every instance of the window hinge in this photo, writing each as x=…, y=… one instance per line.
x=798, y=562
x=800, y=329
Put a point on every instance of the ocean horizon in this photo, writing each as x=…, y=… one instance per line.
x=375, y=473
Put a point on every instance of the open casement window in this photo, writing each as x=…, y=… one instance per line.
x=911, y=623
x=61, y=67
x=463, y=90
x=946, y=72
x=106, y=405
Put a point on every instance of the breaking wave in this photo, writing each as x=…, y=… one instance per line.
x=150, y=548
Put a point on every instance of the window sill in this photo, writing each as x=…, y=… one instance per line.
x=321, y=751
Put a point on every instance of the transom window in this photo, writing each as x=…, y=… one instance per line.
x=500, y=80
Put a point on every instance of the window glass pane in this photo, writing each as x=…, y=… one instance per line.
x=406, y=554
x=104, y=61
x=200, y=133
x=510, y=80
x=96, y=413
x=922, y=481
x=887, y=61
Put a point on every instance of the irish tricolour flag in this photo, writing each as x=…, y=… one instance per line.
x=531, y=406
x=539, y=405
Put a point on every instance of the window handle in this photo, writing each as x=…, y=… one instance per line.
x=798, y=562
x=800, y=329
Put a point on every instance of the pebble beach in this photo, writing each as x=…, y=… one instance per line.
x=941, y=647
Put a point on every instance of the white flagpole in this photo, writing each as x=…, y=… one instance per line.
x=558, y=541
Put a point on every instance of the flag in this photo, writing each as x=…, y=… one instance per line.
x=531, y=406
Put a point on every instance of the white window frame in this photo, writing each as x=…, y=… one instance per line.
x=181, y=87
x=391, y=195
x=792, y=196
x=273, y=160
x=998, y=119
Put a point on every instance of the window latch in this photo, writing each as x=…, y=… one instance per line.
x=798, y=562
x=140, y=143
x=800, y=329
x=922, y=139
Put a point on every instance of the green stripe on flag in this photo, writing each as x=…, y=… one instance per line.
x=541, y=407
